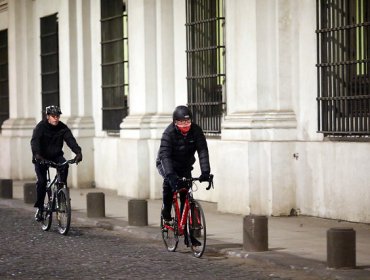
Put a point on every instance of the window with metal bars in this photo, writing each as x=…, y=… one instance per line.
x=114, y=45
x=49, y=61
x=205, y=49
x=4, y=78
x=343, y=42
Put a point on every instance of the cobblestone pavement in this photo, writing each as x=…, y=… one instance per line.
x=26, y=252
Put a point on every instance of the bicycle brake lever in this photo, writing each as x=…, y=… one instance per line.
x=210, y=185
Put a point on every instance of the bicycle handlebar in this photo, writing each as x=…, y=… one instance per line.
x=57, y=165
x=190, y=180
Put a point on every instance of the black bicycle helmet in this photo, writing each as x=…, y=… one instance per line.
x=181, y=113
x=53, y=110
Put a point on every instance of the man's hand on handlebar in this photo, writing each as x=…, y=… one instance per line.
x=173, y=180
x=39, y=159
x=206, y=177
x=78, y=158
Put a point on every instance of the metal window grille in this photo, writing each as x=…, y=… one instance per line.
x=4, y=78
x=206, y=62
x=114, y=41
x=49, y=60
x=343, y=42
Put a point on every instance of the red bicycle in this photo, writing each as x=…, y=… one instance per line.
x=189, y=222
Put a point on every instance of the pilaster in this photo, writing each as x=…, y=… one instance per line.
x=83, y=129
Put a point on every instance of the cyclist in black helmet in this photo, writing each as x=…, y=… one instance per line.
x=176, y=156
x=47, y=144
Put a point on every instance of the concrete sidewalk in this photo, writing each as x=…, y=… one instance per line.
x=296, y=242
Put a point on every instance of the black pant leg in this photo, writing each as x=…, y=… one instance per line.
x=41, y=182
x=167, y=195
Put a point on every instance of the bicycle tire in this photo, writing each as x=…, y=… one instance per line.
x=47, y=214
x=170, y=236
x=196, y=228
x=63, y=211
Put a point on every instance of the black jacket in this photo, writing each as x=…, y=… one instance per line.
x=47, y=140
x=176, y=151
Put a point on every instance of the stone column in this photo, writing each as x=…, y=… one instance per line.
x=76, y=84
x=17, y=130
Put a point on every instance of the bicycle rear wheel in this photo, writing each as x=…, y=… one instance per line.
x=63, y=211
x=169, y=232
x=196, y=228
x=47, y=214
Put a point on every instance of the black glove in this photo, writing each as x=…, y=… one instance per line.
x=173, y=179
x=78, y=158
x=39, y=159
x=204, y=177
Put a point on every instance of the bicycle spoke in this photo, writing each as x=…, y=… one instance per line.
x=196, y=229
x=63, y=211
x=169, y=233
x=47, y=213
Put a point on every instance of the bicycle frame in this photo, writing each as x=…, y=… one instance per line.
x=50, y=182
x=58, y=199
x=180, y=217
x=57, y=175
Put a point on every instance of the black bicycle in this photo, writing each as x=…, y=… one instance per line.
x=57, y=199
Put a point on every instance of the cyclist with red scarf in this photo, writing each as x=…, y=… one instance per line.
x=176, y=155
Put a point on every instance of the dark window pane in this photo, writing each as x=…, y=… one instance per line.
x=114, y=66
x=343, y=67
x=49, y=61
x=4, y=80
x=205, y=62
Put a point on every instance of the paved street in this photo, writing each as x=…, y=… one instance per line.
x=94, y=253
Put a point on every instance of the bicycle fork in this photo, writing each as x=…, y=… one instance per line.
x=196, y=220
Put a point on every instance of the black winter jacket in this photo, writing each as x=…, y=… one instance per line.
x=47, y=140
x=176, y=151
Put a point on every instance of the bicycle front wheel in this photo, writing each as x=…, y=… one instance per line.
x=47, y=214
x=63, y=211
x=169, y=232
x=196, y=228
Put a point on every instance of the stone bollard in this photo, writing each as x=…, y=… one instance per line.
x=255, y=233
x=341, y=248
x=29, y=193
x=137, y=212
x=95, y=205
x=6, y=188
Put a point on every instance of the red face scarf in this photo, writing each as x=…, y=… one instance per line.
x=184, y=128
